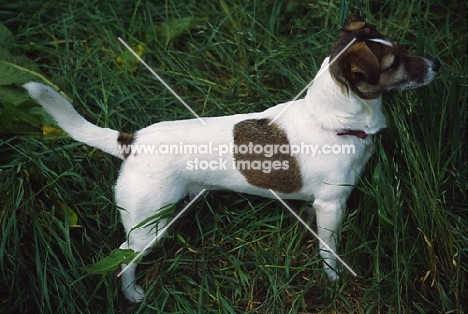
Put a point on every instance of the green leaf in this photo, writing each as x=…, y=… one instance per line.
x=166, y=32
x=13, y=94
x=112, y=262
x=5, y=35
x=66, y=212
x=120, y=256
x=50, y=131
x=16, y=111
x=128, y=61
x=11, y=73
x=6, y=117
x=12, y=110
x=169, y=31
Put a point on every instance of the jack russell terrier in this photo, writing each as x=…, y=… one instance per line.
x=342, y=107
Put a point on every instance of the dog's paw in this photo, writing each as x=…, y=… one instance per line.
x=134, y=294
x=332, y=275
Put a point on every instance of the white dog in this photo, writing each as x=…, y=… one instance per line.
x=253, y=153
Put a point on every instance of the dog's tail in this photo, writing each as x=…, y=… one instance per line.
x=70, y=121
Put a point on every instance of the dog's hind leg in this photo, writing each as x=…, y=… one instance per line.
x=137, y=242
x=137, y=204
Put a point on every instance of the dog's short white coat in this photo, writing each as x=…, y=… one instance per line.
x=148, y=182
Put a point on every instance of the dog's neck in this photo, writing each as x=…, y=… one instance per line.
x=338, y=109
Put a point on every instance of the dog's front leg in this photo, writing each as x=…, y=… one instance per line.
x=328, y=215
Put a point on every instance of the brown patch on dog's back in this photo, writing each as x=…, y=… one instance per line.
x=285, y=176
x=126, y=139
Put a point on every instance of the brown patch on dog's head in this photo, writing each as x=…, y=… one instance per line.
x=126, y=139
x=284, y=173
x=374, y=63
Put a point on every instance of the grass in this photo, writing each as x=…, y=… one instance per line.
x=406, y=231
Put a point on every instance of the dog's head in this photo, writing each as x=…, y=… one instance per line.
x=374, y=63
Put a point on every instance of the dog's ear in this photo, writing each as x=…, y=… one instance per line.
x=355, y=24
x=360, y=63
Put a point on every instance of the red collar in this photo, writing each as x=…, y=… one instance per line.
x=357, y=133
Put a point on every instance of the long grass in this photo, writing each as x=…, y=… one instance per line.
x=406, y=230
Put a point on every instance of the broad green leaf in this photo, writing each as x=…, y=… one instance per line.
x=20, y=115
x=128, y=61
x=13, y=94
x=11, y=73
x=169, y=31
x=16, y=111
x=112, y=262
x=166, y=32
x=50, y=131
x=67, y=213
x=15, y=68
x=5, y=34
x=6, y=117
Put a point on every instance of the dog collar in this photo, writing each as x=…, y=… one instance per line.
x=358, y=133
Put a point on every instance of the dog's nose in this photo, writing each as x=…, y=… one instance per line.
x=434, y=63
